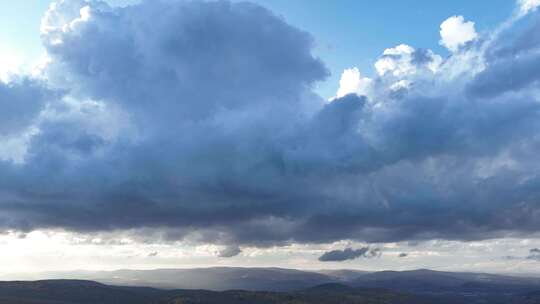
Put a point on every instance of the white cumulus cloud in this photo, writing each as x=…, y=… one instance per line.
x=456, y=32
x=353, y=82
x=527, y=6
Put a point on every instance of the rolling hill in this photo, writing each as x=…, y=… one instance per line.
x=272, y=285
x=88, y=292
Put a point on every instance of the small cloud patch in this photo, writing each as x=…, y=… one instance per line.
x=350, y=254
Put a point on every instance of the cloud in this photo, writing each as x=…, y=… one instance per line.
x=456, y=32
x=21, y=101
x=534, y=254
x=349, y=254
x=527, y=6
x=352, y=82
x=229, y=252
x=400, y=67
x=404, y=60
x=140, y=98
x=197, y=121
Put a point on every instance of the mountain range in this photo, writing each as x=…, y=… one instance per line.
x=269, y=285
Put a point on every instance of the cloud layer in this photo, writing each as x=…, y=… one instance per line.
x=197, y=120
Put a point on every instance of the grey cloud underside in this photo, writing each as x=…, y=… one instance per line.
x=229, y=252
x=349, y=254
x=534, y=254
x=198, y=119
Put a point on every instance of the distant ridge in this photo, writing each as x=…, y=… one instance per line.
x=88, y=292
x=282, y=279
x=213, y=278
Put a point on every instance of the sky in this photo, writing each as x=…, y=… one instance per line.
x=302, y=134
x=347, y=33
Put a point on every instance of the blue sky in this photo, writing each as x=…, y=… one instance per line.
x=347, y=32
x=350, y=32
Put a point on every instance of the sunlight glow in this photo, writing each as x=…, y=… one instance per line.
x=10, y=63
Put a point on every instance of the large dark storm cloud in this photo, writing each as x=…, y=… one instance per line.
x=197, y=119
